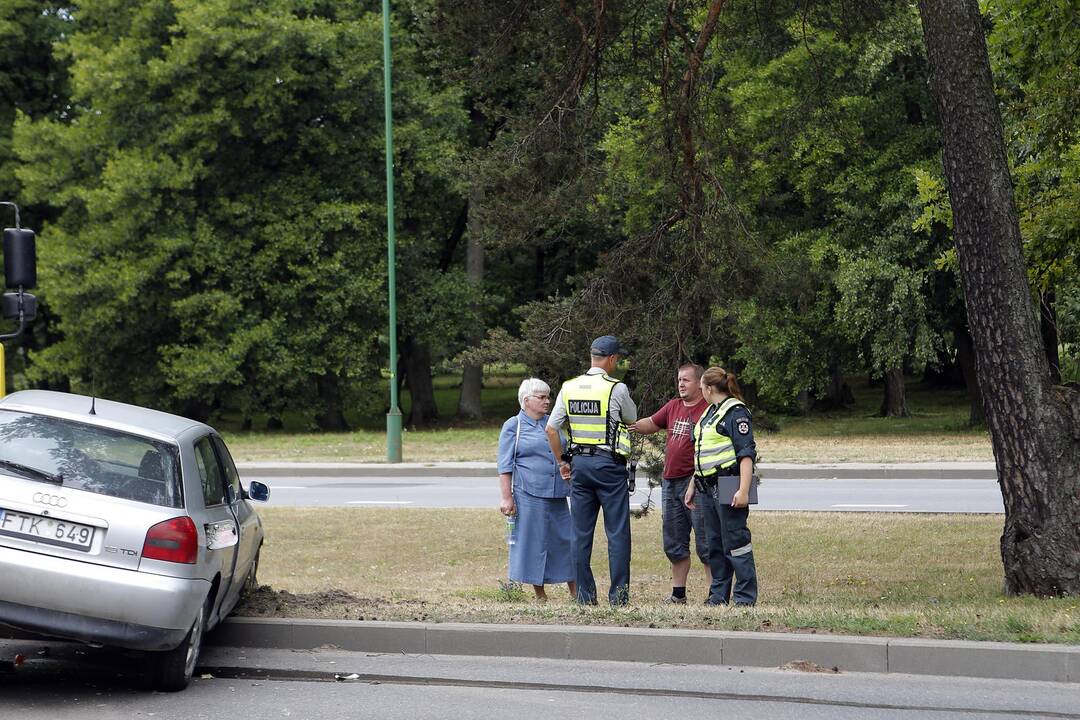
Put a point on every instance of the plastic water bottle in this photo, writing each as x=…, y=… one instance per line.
x=511, y=529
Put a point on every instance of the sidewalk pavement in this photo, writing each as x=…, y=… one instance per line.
x=1055, y=663
x=866, y=471
x=840, y=653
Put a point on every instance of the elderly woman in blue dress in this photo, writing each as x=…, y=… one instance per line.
x=534, y=491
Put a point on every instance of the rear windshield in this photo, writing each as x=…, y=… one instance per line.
x=91, y=458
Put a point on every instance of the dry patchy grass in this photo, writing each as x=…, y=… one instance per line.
x=936, y=430
x=873, y=448
x=876, y=574
x=454, y=444
x=479, y=444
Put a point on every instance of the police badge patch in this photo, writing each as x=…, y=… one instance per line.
x=743, y=426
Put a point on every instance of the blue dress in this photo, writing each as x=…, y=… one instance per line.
x=541, y=554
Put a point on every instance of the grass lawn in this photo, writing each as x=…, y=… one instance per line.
x=897, y=574
x=935, y=431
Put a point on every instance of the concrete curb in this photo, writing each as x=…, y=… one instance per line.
x=839, y=471
x=1057, y=663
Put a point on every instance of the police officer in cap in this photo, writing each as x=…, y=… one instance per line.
x=724, y=447
x=594, y=410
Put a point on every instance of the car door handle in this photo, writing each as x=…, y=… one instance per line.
x=221, y=534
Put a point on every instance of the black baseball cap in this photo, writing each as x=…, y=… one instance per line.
x=607, y=345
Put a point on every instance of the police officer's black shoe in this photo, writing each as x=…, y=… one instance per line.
x=744, y=604
x=714, y=603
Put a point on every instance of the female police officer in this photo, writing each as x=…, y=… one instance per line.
x=723, y=447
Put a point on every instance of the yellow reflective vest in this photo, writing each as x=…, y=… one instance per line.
x=587, y=401
x=714, y=451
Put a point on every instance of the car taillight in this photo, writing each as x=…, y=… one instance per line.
x=174, y=540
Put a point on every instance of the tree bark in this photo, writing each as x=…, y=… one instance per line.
x=965, y=358
x=1034, y=425
x=1049, y=331
x=894, y=403
x=803, y=403
x=332, y=417
x=417, y=360
x=838, y=394
x=472, y=375
x=539, y=275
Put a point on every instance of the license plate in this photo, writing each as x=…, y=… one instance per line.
x=46, y=530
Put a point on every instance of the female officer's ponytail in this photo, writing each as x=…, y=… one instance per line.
x=720, y=379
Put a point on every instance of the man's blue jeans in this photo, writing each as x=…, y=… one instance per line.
x=600, y=482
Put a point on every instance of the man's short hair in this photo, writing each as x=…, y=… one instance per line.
x=698, y=369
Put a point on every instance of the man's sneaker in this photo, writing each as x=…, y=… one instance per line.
x=714, y=603
x=672, y=600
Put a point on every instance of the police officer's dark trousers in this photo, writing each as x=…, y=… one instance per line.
x=730, y=553
x=600, y=482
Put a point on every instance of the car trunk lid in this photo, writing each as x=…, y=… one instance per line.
x=51, y=519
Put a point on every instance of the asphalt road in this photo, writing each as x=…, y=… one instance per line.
x=846, y=494
x=70, y=681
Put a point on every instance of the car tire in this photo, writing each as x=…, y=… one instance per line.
x=251, y=582
x=171, y=670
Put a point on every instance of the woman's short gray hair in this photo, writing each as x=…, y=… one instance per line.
x=532, y=386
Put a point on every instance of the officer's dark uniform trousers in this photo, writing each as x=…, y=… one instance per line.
x=730, y=552
x=598, y=481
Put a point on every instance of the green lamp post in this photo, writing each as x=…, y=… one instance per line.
x=393, y=417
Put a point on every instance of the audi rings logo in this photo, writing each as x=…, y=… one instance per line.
x=54, y=500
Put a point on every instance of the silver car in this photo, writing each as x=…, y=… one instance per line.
x=121, y=526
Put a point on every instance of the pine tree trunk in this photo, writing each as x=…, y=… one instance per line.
x=540, y=288
x=894, y=402
x=1048, y=329
x=965, y=358
x=472, y=376
x=417, y=359
x=803, y=402
x=332, y=418
x=838, y=393
x=1034, y=425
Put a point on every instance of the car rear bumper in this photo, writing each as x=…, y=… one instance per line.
x=96, y=603
x=68, y=626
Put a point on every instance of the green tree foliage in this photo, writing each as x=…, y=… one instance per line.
x=839, y=122
x=753, y=179
x=754, y=185
x=1033, y=51
x=32, y=82
x=221, y=241
x=1033, y=47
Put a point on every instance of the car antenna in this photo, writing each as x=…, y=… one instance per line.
x=93, y=397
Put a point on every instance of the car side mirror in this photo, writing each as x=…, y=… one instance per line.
x=258, y=491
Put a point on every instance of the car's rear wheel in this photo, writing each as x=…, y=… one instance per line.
x=171, y=670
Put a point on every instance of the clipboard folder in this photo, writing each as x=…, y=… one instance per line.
x=728, y=485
